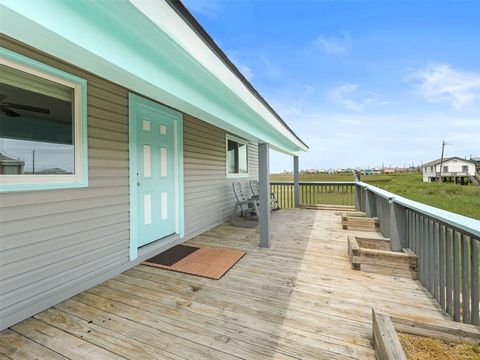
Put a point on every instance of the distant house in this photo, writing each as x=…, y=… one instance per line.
x=392, y=170
x=451, y=169
x=10, y=166
x=368, y=172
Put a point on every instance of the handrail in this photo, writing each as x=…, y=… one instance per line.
x=464, y=223
x=314, y=182
x=446, y=245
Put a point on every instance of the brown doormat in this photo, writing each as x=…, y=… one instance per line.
x=205, y=261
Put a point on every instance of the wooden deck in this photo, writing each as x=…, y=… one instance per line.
x=297, y=300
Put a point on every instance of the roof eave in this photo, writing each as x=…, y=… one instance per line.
x=95, y=37
x=188, y=17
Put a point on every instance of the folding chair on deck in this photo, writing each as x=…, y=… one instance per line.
x=248, y=215
x=255, y=187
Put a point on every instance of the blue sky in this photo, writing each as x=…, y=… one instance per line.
x=363, y=83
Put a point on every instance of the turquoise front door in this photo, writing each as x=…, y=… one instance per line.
x=156, y=179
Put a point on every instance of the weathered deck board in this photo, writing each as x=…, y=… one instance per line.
x=15, y=346
x=300, y=299
x=61, y=342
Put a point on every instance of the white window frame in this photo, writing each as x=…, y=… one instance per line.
x=79, y=178
x=240, y=141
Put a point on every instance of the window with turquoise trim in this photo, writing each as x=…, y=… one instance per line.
x=237, y=157
x=42, y=126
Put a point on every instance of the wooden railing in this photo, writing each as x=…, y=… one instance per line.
x=446, y=245
x=312, y=193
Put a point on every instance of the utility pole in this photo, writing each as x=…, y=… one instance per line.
x=441, y=160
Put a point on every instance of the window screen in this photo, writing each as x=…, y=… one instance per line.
x=36, y=125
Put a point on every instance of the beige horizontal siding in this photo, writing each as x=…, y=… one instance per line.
x=52, y=240
x=209, y=198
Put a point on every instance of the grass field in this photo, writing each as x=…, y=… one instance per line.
x=460, y=199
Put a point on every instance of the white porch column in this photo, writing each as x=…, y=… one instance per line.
x=296, y=181
x=264, y=196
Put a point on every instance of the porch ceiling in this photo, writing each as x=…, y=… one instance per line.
x=147, y=48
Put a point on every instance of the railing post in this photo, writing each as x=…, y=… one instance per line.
x=368, y=210
x=382, y=212
x=296, y=181
x=358, y=197
x=370, y=203
x=264, y=194
x=397, y=226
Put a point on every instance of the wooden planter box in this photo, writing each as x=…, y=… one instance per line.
x=346, y=214
x=387, y=344
x=374, y=255
x=357, y=220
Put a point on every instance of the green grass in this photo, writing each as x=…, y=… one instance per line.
x=460, y=199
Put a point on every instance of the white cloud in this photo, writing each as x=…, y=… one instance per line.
x=246, y=70
x=349, y=139
x=308, y=89
x=349, y=96
x=341, y=93
x=271, y=69
x=442, y=83
x=348, y=121
x=334, y=46
x=209, y=8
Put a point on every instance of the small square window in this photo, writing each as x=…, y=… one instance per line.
x=237, y=157
x=42, y=126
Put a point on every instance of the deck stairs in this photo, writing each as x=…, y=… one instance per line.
x=475, y=178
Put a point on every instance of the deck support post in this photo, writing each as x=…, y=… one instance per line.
x=296, y=181
x=397, y=226
x=264, y=194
